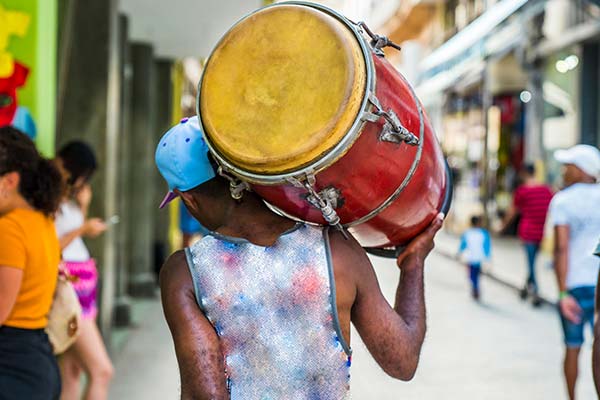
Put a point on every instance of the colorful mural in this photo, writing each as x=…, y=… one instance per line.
x=13, y=73
x=28, y=68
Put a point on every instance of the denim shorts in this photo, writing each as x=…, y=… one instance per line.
x=28, y=369
x=585, y=296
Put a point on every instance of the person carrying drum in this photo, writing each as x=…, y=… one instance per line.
x=261, y=306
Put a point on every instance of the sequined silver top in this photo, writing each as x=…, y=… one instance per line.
x=274, y=311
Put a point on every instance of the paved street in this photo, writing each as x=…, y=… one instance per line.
x=499, y=349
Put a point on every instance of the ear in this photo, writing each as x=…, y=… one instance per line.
x=12, y=180
x=79, y=183
x=187, y=199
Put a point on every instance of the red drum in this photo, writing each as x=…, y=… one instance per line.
x=332, y=135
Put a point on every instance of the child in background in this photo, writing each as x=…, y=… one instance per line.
x=475, y=249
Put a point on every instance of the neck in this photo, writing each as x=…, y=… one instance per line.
x=589, y=179
x=252, y=220
x=18, y=202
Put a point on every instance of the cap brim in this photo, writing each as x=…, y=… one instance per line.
x=564, y=156
x=168, y=198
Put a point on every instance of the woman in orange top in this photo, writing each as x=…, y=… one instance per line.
x=30, y=192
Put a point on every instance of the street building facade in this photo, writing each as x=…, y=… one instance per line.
x=506, y=83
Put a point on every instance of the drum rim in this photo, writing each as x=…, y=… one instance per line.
x=339, y=149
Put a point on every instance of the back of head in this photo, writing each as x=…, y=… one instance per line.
x=182, y=158
x=78, y=160
x=528, y=170
x=40, y=181
x=475, y=221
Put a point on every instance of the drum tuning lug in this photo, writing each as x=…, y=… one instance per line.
x=331, y=195
x=378, y=42
x=236, y=187
x=326, y=201
x=393, y=130
x=299, y=181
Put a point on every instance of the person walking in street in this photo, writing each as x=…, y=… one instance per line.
x=88, y=354
x=475, y=248
x=269, y=301
x=30, y=192
x=531, y=201
x=575, y=218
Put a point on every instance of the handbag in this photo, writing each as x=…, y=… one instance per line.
x=64, y=319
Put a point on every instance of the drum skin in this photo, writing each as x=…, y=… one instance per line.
x=372, y=170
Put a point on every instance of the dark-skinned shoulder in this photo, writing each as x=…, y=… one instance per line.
x=174, y=274
x=346, y=250
x=349, y=257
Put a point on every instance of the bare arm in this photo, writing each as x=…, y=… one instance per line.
x=394, y=336
x=510, y=216
x=68, y=237
x=197, y=345
x=561, y=255
x=10, y=284
x=569, y=307
x=90, y=228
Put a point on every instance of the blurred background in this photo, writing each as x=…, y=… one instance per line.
x=504, y=82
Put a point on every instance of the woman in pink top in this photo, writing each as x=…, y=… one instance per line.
x=530, y=201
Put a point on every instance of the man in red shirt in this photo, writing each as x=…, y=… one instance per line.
x=530, y=201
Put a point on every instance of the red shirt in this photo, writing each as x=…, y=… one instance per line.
x=532, y=203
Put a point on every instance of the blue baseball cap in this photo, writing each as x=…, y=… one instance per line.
x=182, y=158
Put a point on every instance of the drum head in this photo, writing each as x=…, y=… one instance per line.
x=282, y=88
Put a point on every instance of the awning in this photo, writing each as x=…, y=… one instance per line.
x=488, y=37
x=409, y=21
x=472, y=34
x=429, y=91
x=573, y=35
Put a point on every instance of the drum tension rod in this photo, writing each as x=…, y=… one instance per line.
x=393, y=130
x=378, y=42
x=318, y=201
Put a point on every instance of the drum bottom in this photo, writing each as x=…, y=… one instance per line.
x=394, y=252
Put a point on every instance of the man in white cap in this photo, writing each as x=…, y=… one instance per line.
x=575, y=217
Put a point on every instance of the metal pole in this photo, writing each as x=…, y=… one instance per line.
x=111, y=168
x=486, y=103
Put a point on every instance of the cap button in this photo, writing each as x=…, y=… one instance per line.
x=184, y=120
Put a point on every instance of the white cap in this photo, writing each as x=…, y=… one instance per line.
x=583, y=156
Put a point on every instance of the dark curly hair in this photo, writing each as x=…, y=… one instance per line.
x=41, y=182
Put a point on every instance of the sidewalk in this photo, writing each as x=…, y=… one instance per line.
x=508, y=264
x=144, y=357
